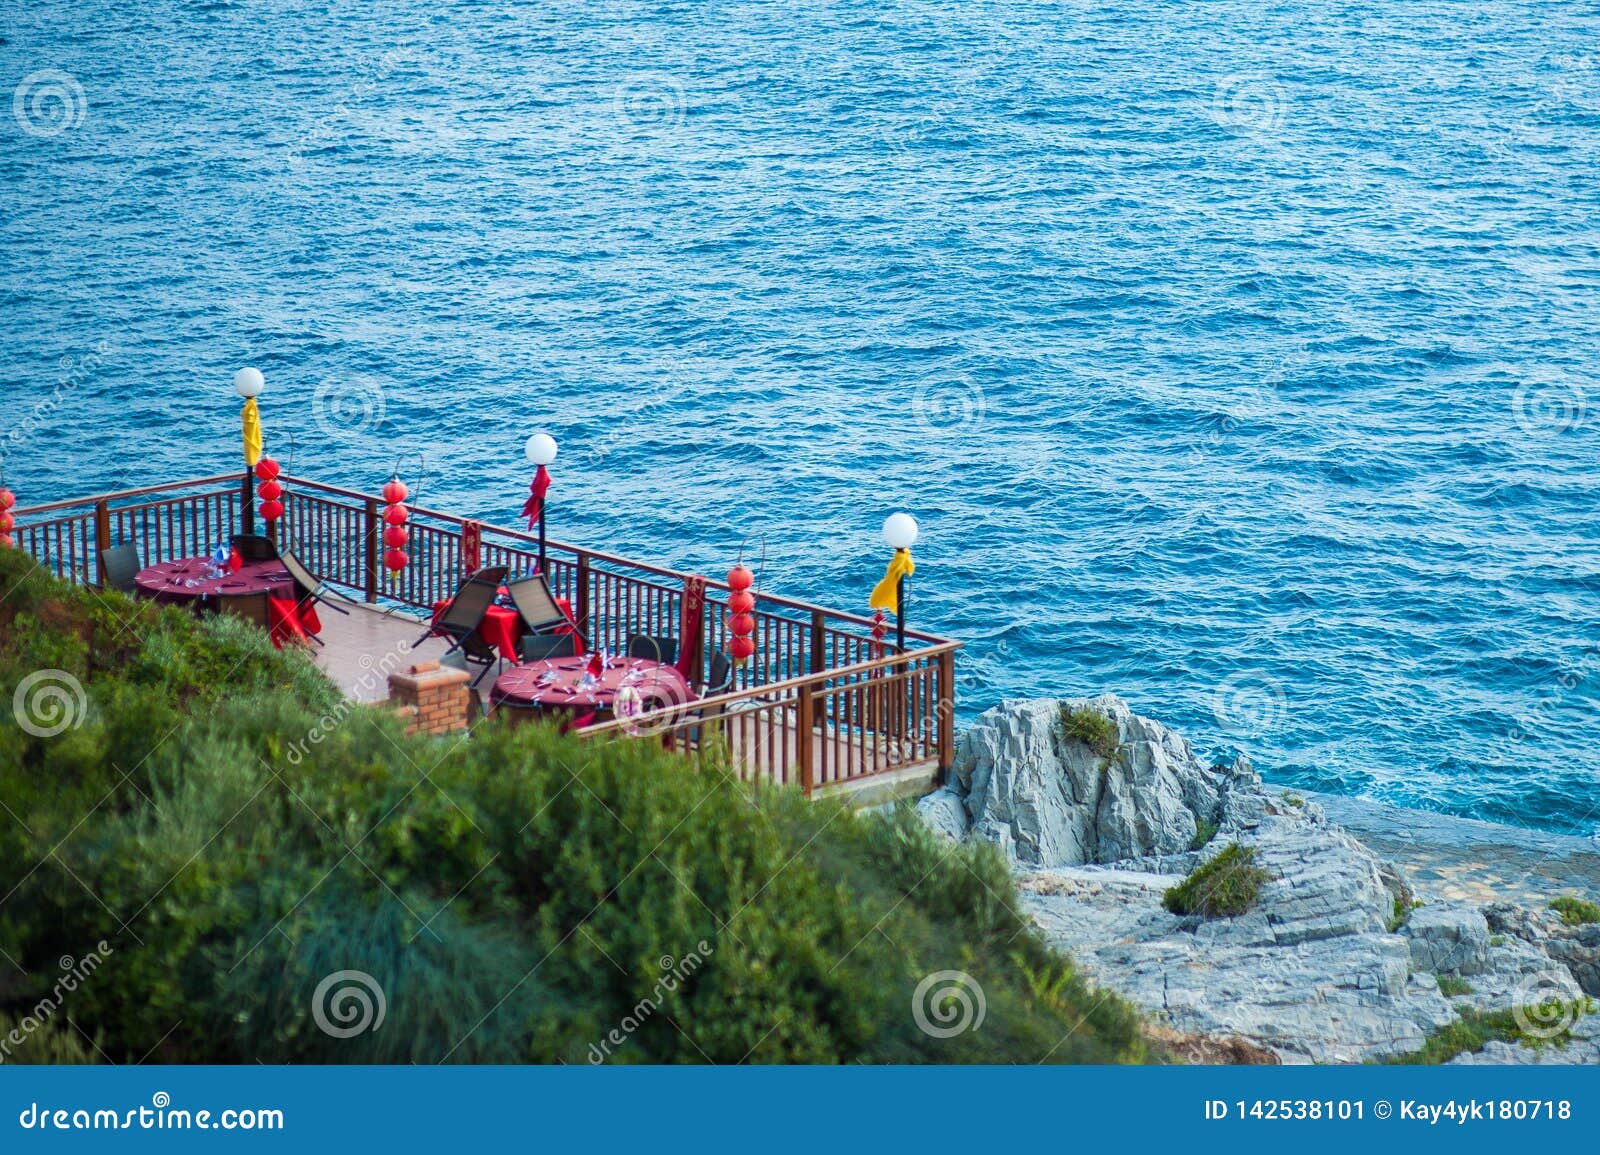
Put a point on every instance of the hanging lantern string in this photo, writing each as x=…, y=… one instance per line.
x=396, y=528
x=8, y=522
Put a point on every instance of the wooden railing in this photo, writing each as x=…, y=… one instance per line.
x=821, y=703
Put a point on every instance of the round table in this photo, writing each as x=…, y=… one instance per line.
x=567, y=686
x=261, y=591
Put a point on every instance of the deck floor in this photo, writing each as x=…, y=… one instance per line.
x=364, y=647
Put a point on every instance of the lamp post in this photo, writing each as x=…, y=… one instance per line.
x=248, y=383
x=541, y=450
x=900, y=534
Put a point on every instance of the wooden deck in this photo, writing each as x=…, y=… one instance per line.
x=363, y=648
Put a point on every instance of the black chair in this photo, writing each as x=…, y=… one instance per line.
x=721, y=680
x=121, y=564
x=538, y=647
x=536, y=605
x=663, y=650
x=255, y=547
x=310, y=587
x=460, y=621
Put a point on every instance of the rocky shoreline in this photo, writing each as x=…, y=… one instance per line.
x=1377, y=927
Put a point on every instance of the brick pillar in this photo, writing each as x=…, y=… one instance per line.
x=432, y=699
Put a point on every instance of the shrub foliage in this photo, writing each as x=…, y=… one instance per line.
x=237, y=835
x=1227, y=885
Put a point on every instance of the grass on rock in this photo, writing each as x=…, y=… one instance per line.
x=1095, y=730
x=236, y=833
x=1225, y=887
x=1452, y=987
x=1575, y=911
x=1473, y=1029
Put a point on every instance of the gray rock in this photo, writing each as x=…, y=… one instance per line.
x=1450, y=938
x=1311, y=970
x=1049, y=800
x=943, y=812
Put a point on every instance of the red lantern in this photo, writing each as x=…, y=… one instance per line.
x=395, y=518
x=7, y=499
x=270, y=491
x=7, y=523
x=741, y=619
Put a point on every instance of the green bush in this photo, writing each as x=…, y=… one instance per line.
x=1575, y=911
x=517, y=896
x=1095, y=730
x=1226, y=886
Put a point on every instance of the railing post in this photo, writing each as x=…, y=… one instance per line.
x=102, y=537
x=247, y=502
x=371, y=574
x=946, y=708
x=805, y=710
x=819, y=642
x=581, y=608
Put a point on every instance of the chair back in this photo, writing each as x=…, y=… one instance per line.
x=494, y=574
x=251, y=607
x=537, y=647
x=663, y=650
x=466, y=611
x=303, y=577
x=535, y=603
x=721, y=674
x=122, y=565
x=254, y=547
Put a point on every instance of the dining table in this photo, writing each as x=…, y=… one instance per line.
x=202, y=585
x=583, y=689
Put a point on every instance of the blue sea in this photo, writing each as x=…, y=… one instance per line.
x=1235, y=358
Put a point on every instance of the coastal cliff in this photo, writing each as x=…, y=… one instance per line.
x=1367, y=938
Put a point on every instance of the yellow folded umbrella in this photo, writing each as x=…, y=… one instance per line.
x=252, y=433
x=886, y=594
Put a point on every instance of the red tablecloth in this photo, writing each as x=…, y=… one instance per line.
x=502, y=627
x=188, y=581
x=565, y=685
